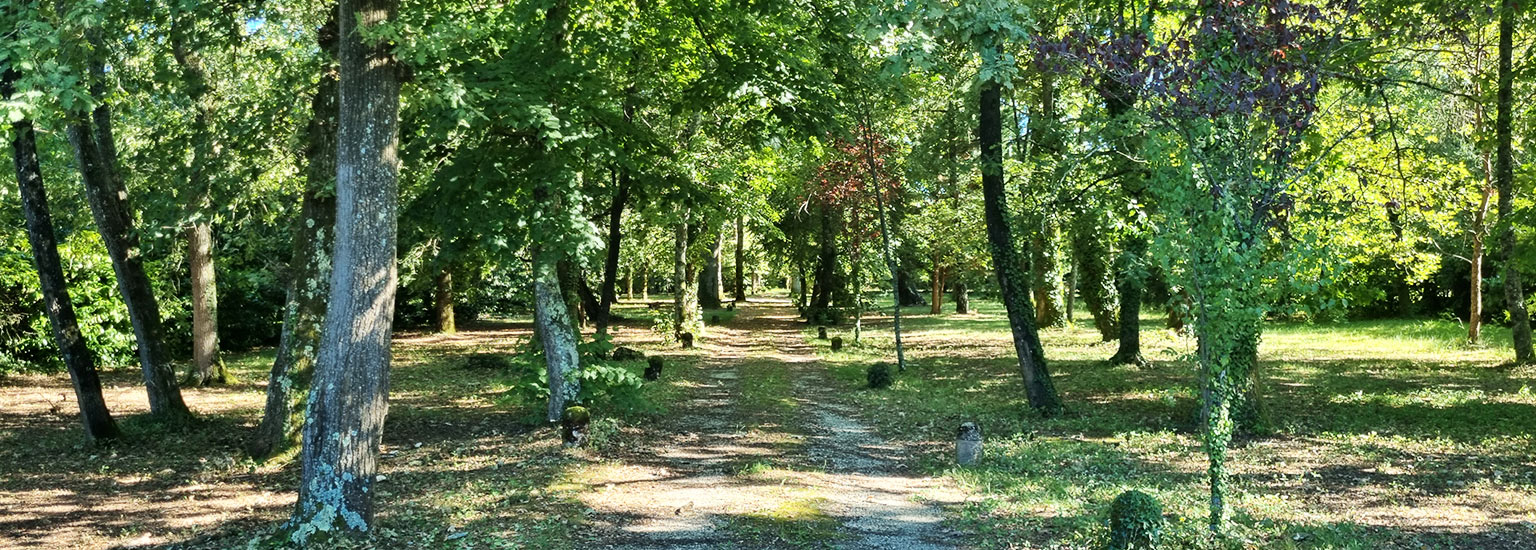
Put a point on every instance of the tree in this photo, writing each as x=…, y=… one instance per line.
x=349, y=397
x=1514, y=295
x=78, y=359
x=308, y=290
x=90, y=135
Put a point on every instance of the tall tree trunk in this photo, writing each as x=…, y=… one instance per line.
x=96, y=155
x=77, y=357
x=309, y=269
x=824, y=278
x=1045, y=269
x=553, y=318
x=350, y=395
x=199, y=229
x=645, y=283
x=205, y=307
x=442, y=301
x=1475, y=273
x=741, y=240
x=680, y=277
x=629, y=284
x=710, y=281
x=962, y=298
x=1514, y=295
x=611, y=260
x=1005, y=262
x=1131, y=284
x=1045, y=265
x=891, y=262
x=936, y=302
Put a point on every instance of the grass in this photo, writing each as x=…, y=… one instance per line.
x=796, y=522
x=1385, y=433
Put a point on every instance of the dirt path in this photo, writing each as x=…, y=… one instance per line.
x=762, y=456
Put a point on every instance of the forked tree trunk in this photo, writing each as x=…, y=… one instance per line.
x=309, y=277
x=96, y=157
x=77, y=357
x=1514, y=295
x=350, y=395
x=1005, y=263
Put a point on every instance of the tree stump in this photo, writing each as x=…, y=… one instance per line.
x=687, y=339
x=837, y=343
x=821, y=333
x=967, y=444
x=573, y=426
x=653, y=368
x=626, y=353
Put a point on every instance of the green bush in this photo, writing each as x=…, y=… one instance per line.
x=1135, y=522
x=878, y=376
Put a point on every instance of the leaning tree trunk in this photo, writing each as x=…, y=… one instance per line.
x=891, y=262
x=1005, y=262
x=1514, y=295
x=309, y=273
x=95, y=154
x=553, y=318
x=709, y=281
x=741, y=277
x=77, y=357
x=350, y=395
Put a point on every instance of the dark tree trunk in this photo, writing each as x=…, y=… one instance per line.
x=580, y=301
x=962, y=298
x=1005, y=262
x=77, y=357
x=96, y=155
x=350, y=394
x=1514, y=294
x=1095, y=273
x=1131, y=284
x=442, y=301
x=741, y=274
x=602, y=315
x=936, y=303
x=824, y=279
x=309, y=276
x=709, y=281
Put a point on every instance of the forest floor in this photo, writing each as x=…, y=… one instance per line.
x=1385, y=434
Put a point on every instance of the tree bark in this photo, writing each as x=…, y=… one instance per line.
x=555, y=334
x=710, y=281
x=604, y=311
x=741, y=274
x=309, y=268
x=1005, y=264
x=1475, y=272
x=77, y=357
x=208, y=369
x=350, y=395
x=442, y=301
x=936, y=302
x=680, y=276
x=1131, y=283
x=1514, y=295
x=95, y=154
x=962, y=298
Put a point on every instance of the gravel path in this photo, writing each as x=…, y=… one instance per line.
x=699, y=483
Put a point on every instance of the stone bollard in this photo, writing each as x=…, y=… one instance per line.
x=687, y=339
x=573, y=426
x=837, y=343
x=653, y=368
x=967, y=444
x=821, y=333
